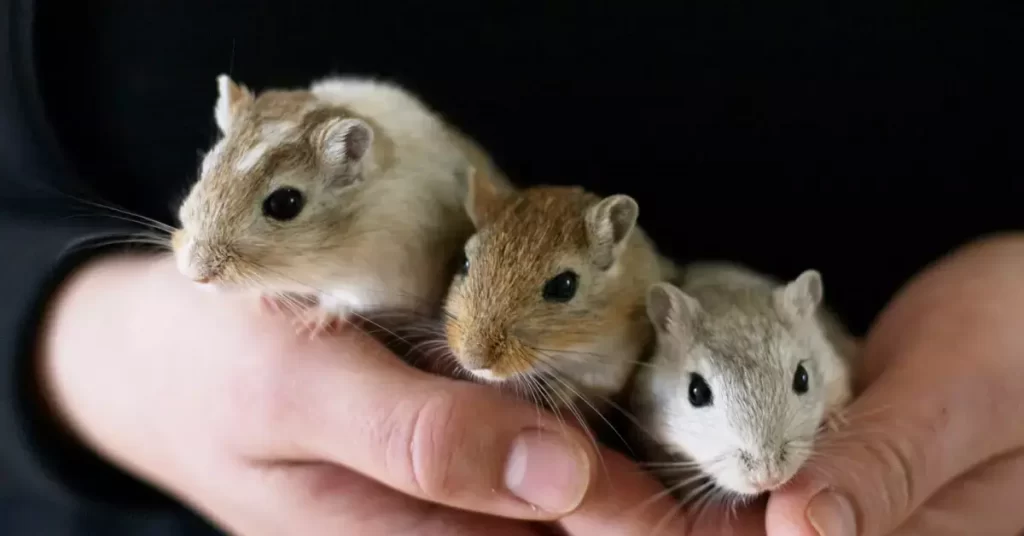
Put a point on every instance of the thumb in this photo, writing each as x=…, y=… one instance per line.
x=454, y=443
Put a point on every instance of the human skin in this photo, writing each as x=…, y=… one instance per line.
x=935, y=442
x=266, y=432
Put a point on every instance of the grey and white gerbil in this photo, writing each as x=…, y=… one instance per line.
x=745, y=372
x=350, y=190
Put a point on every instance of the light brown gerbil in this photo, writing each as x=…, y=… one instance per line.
x=351, y=191
x=551, y=298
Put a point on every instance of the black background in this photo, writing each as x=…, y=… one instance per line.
x=862, y=140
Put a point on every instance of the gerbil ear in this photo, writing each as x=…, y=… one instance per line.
x=344, y=141
x=609, y=224
x=669, y=308
x=801, y=296
x=484, y=194
x=230, y=99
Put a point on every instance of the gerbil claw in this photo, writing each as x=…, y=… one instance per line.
x=315, y=321
x=281, y=303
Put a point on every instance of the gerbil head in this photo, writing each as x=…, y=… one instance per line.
x=741, y=394
x=545, y=283
x=280, y=182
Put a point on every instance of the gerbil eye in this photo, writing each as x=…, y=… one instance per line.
x=699, y=391
x=464, y=265
x=800, y=380
x=562, y=287
x=283, y=204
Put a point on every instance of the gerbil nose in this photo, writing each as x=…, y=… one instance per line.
x=477, y=352
x=475, y=361
x=766, y=482
x=202, y=280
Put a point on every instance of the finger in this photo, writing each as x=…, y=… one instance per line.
x=730, y=520
x=939, y=407
x=455, y=443
x=625, y=500
x=984, y=501
x=904, y=438
x=325, y=499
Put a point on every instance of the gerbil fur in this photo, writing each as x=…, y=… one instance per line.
x=383, y=178
x=744, y=335
x=502, y=330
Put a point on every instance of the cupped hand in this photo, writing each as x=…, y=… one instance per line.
x=266, y=432
x=935, y=444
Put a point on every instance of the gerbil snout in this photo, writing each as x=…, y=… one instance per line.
x=766, y=470
x=476, y=355
x=198, y=262
x=487, y=354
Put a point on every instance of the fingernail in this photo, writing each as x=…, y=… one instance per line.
x=831, y=514
x=548, y=471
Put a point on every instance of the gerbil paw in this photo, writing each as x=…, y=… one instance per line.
x=286, y=303
x=316, y=321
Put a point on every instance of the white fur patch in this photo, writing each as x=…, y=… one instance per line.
x=251, y=157
x=184, y=256
x=278, y=132
x=222, y=110
x=209, y=287
x=486, y=375
x=211, y=158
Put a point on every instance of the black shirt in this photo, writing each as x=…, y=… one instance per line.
x=862, y=141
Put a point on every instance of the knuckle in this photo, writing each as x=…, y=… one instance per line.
x=423, y=443
x=894, y=487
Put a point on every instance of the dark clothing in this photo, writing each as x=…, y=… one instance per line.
x=862, y=142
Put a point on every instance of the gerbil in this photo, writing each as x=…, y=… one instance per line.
x=350, y=191
x=745, y=371
x=550, y=299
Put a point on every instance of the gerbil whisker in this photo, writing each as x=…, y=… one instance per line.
x=544, y=362
x=547, y=361
x=682, y=466
x=578, y=356
x=676, y=509
x=711, y=496
x=124, y=241
x=149, y=226
x=547, y=396
x=530, y=389
x=126, y=215
x=669, y=490
x=694, y=500
x=570, y=405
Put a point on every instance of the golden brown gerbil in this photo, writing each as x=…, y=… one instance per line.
x=350, y=191
x=551, y=298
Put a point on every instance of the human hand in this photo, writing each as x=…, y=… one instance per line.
x=266, y=432
x=935, y=444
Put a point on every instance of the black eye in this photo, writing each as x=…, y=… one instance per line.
x=283, y=204
x=699, y=391
x=463, y=265
x=800, y=380
x=562, y=287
